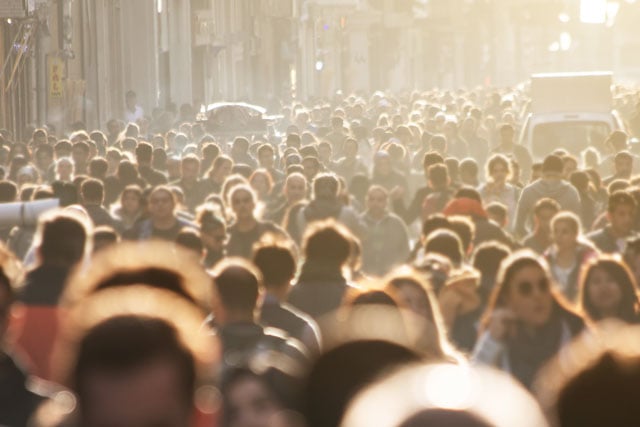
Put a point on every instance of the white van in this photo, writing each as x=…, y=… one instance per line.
x=569, y=110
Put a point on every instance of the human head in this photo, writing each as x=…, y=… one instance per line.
x=277, y=264
x=438, y=176
x=239, y=287
x=130, y=363
x=565, y=228
x=498, y=168
x=377, y=200
x=62, y=238
x=190, y=168
x=623, y=164
x=621, y=210
x=295, y=187
x=543, y=211
x=311, y=166
x=242, y=200
x=327, y=242
x=162, y=204
x=326, y=186
x=524, y=287
x=468, y=170
x=498, y=212
x=552, y=166
x=447, y=243
x=593, y=379
x=92, y=192
x=608, y=289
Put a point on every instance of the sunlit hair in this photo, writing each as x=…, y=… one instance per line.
x=258, y=206
x=594, y=380
x=217, y=165
x=229, y=183
x=508, y=268
x=328, y=241
x=495, y=160
x=433, y=341
x=155, y=264
x=63, y=236
x=568, y=218
x=133, y=305
x=264, y=174
x=624, y=279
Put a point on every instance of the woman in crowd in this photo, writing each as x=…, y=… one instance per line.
x=416, y=295
x=497, y=188
x=567, y=253
x=609, y=290
x=131, y=206
x=262, y=183
x=213, y=232
x=527, y=322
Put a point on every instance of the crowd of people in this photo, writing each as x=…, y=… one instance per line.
x=381, y=260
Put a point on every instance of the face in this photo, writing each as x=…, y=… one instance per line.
x=376, y=202
x=79, y=155
x=130, y=202
x=223, y=171
x=65, y=170
x=623, y=166
x=529, y=296
x=250, y=404
x=265, y=158
x=622, y=219
x=214, y=239
x=190, y=171
x=603, y=291
x=149, y=396
x=564, y=236
x=295, y=189
x=543, y=219
x=242, y=204
x=310, y=169
x=499, y=172
x=161, y=205
x=260, y=184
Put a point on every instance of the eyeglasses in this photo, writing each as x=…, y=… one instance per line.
x=220, y=238
x=526, y=288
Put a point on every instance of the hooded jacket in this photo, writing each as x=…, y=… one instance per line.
x=560, y=191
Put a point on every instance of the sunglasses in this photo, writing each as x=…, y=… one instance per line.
x=526, y=288
x=220, y=238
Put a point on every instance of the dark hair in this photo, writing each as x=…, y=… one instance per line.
x=327, y=241
x=326, y=186
x=468, y=193
x=438, y=175
x=238, y=285
x=447, y=243
x=8, y=191
x=98, y=167
x=190, y=239
x=552, y=164
x=92, y=190
x=144, y=152
x=619, y=272
x=619, y=198
x=126, y=342
x=63, y=239
x=546, y=203
x=276, y=262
